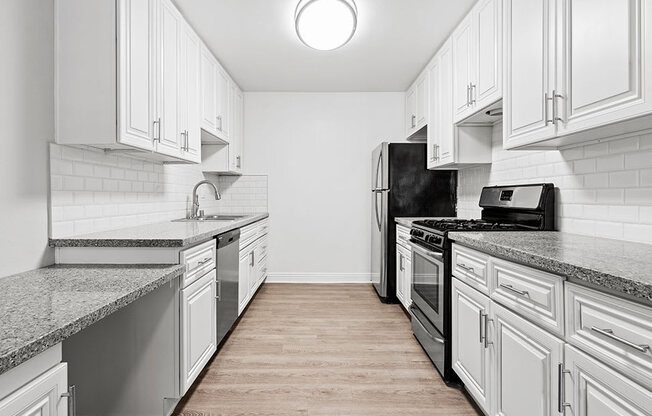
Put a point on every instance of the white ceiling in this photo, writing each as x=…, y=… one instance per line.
x=256, y=43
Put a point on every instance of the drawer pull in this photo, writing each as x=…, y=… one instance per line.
x=204, y=261
x=465, y=267
x=610, y=334
x=513, y=289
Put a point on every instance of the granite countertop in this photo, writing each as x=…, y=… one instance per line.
x=164, y=234
x=41, y=308
x=618, y=267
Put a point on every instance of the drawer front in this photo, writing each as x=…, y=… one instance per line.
x=616, y=331
x=471, y=267
x=535, y=294
x=402, y=235
x=262, y=248
x=247, y=235
x=198, y=260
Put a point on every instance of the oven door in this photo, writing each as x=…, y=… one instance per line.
x=428, y=283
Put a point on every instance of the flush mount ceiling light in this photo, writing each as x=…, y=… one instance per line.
x=326, y=24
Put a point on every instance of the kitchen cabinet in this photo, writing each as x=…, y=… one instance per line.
x=576, y=70
x=237, y=129
x=471, y=351
x=253, y=261
x=477, y=59
x=245, y=276
x=117, y=80
x=215, y=86
x=593, y=389
x=199, y=327
x=451, y=146
x=524, y=352
x=416, y=105
x=404, y=276
x=42, y=396
x=189, y=126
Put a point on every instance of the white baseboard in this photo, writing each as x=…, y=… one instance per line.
x=319, y=278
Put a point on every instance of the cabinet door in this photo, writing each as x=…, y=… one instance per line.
x=524, y=352
x=189, y=94
x=137, y=72
x=471, y=356
x=198, y=327
x=487, y=85
x=236, y=142
x=407, y=281
x=434, y=125
x=441, y=130
x=39, y=397
x=410, y=111
x=529, y=71
x=605, y=62
x=208, y=91
x=593, y=389
x=223, y=105
x=170, y=25
x=400, y=275
x=422, y=92
x=463, y=66
x=243, y=279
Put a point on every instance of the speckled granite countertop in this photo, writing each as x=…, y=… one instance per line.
x=164, y=234
x=618, y=267
x=41, y=308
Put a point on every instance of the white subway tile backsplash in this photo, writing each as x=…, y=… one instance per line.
x=94, y=191
x=605, y=189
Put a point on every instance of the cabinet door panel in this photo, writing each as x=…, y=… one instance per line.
x=529, y=45
x=243, y=280
x=208, y=91
x=607, y=45
x=189, y=94
x=435, y=119
x=410, y=111
x=198, y=326
x=462, y=64
x=223, y=105
x=446, y=151
x=593, y=389
x=525, y=352
x=169, y=77
x=471, y=360
x=41, y=397
x=488, y=36
x=422, y=100
x=137, y=72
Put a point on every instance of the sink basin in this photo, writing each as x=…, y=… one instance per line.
x=224, y=218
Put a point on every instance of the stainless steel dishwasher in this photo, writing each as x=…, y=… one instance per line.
x=228, y=250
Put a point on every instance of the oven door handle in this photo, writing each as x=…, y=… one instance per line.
x=421, y=250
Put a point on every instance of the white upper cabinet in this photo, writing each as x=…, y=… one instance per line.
x=237, y=130
x=208, y=82
x=217, y=100
x=223, y=105
x=477, y=59
x=410, y=111
x=576, y=70
x=189, y=105
x=529, y=70
x=416, y=105
x=118, y=79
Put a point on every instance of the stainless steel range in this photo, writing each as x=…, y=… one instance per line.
x=504, y=208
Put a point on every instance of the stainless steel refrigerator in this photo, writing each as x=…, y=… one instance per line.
x=402, y=186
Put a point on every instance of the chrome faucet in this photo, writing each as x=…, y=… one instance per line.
x=195, y=197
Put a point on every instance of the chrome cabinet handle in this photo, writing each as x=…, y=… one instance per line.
x=238, y=161
x=561, y=384
x=157, y=130
x=468, y=95
x=471, y=88
x=219, y=290
x=466, y=268
x=513, y=289
x=545, y=107
x=609, y=333
x=219, y=120
x=555, y=109
x=400, y=263
x=414, y=121
x=71, y=395
x=205, y=260
x=252, y=259
x=481, y=321
x=187, y=141
x=485, y=323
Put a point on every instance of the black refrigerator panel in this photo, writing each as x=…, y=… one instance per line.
x=415, y=191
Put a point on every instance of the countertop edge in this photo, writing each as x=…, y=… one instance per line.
x=34, y=347
x=595, y=279
x=70, y=242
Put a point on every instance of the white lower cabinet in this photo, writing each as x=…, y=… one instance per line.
x=593, y=389
x=45, y=395
x=404, y=275
x=253, y=261
x=198, y=326
x=526, y=366
x=472, y=353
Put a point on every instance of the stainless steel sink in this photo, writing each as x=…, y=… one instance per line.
x=224, y=218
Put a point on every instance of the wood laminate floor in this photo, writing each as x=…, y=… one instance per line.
x=322, y=350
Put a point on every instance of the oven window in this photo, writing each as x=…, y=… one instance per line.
x=427, y=281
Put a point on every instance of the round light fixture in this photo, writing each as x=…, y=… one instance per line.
x=326, y=24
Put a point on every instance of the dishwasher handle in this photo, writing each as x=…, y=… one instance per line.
x=228, y=238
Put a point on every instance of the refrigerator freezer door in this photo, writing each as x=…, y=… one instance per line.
x=379, y=190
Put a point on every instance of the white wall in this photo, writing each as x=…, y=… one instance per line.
x=605, y=189
x=316, y=149
x=27, y=120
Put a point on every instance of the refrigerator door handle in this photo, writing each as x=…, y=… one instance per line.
x=377, y=213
